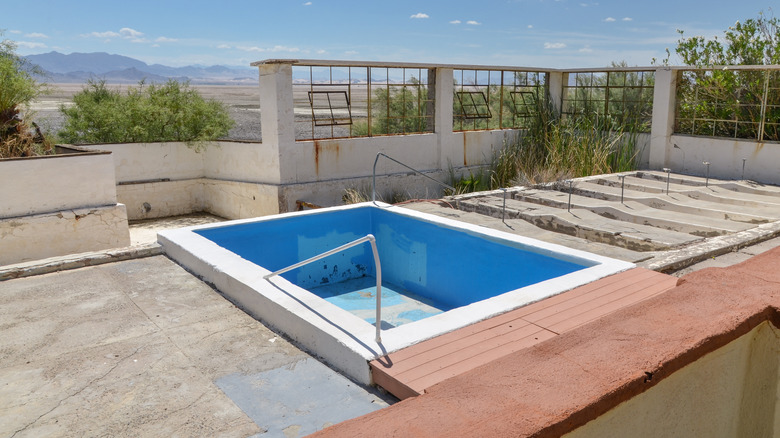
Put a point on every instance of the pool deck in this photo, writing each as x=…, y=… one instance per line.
x=75, y=364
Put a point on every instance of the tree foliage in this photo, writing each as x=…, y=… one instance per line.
x=398, y=109
x=723, y=102
x=148, y=113
x=18, y=88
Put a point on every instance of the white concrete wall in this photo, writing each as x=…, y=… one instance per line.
x=731, y=392
x=38, y=185
x=70, y=231
x=241, y=161
x=762, y=160
x=151, y=161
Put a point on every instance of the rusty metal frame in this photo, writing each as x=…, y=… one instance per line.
x=474, y=104
x=584, y=91
x=333, y=119
x=699, y=124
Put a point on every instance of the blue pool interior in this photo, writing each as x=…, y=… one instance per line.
x=427, y=268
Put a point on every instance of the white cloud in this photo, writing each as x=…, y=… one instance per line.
x=473, y=23
x=36, y=35
x=554, y=45
x=155, y=45
x=530, y=26
x=585, y=49
x=223, y=46
x=126, y=32
x=107, y=34
x=271, y=49
x=321, y=52
x=284, y=49
x=165, y=40
x=15, y=32
x=251, y=49
x=420, y=15
x=30, y=45
x=307, y=4
x=609, y=19
x=628, y=19
x=455, y=22
x=351, y=52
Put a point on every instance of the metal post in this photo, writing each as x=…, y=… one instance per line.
x=503, y=209
x=571, y=183
x=743, y=168
x=367, y=238
x=668, y=174
x=707, y=178
x=622, y=186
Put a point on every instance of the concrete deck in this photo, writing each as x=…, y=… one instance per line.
x=143, y=348
x=84, y=351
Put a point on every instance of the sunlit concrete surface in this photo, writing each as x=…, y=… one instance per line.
x=143, y=348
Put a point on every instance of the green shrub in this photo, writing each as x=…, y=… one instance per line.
x=18, y=88
x=149, y=113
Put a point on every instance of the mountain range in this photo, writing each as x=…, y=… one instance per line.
x=79, y=67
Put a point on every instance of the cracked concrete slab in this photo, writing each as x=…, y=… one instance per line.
x=137, y=348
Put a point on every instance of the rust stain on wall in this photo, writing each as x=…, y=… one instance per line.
x=317, y=157
x=465, y=143
x=327, y=151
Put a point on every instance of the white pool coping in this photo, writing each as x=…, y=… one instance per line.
x=336, y=335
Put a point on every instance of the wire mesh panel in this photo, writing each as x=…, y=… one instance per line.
x=619, y=98
x=360, y=101
x=741, y=104
x=496, y=99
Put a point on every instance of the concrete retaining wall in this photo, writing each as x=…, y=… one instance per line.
x=59, y=204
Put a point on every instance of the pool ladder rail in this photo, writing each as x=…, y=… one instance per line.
x=367, y=238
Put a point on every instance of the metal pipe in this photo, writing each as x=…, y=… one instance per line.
x=503, y=209
x=668, y=174
x=622, y=186
x=743, y=168
x=373, y=175
x=571, y=183
x=707, y=179
x=372, y=240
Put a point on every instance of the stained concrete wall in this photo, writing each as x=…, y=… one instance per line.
x=59, y=204
x=53, y=183
x=731, y=392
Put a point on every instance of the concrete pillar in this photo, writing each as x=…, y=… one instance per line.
x=664, y=103
x=443, y=118
x=555, y=85
x=277, y=117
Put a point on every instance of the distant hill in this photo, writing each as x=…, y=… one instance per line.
x=78, y=67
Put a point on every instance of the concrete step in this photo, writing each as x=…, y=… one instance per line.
x=711, y=192
x=635, y=212
x=523, y=228
x=582, y=223
x=679, y=203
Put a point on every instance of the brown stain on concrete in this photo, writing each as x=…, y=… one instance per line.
x=328, y=150
x=561, y=384
x=465, y=148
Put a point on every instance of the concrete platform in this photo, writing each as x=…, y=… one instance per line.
x=143, y=348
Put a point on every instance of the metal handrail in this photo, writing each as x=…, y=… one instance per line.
x=372, y=240
x=373, y=175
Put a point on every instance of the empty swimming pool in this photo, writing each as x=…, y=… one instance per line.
x=437, y=275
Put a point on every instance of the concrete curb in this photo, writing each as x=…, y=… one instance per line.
x=675, y=260
x=75, y=261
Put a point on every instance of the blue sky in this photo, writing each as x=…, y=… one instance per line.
x=535, y=33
